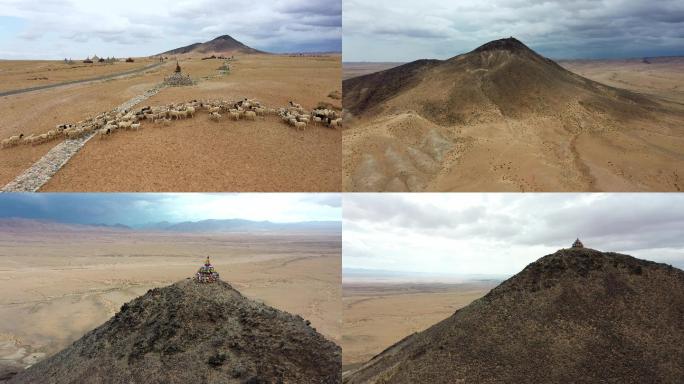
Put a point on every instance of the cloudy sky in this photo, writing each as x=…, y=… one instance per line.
x=500, y=234
x=57, y=29
x=406, y=30
x=135, y=209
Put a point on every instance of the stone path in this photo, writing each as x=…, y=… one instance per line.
x=43, y=170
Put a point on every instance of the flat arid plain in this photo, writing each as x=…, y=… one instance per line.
x=194, y=154
x=503, y=118
x=378, y=313
x=59, y=281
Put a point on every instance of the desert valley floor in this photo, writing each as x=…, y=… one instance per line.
x=189, y=155
x=378, y=314
x=58, y=283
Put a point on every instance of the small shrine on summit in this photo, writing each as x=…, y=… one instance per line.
x=577, y=244
x=206, y=273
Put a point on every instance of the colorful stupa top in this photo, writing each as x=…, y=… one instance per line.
x=206, y=273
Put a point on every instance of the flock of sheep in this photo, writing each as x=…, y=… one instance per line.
x=108, y=123
x=295, y=115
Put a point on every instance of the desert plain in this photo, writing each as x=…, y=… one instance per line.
x=378, y=313
x=190, y=155
x=59, y=281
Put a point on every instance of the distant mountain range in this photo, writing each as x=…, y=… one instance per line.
x=203, y=226
x=225, y=45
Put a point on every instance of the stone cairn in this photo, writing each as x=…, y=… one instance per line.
x=577, y=244
x=178, y=78
x=225, y=68
x=206, y=273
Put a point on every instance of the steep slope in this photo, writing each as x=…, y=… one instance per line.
x=503, y=76
x=222, y=45
x=190, y=332
x=577, y=315
x=504, y=118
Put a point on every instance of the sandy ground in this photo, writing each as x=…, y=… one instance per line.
x=403, y=151
x=377, y=315
x=55, y=286
x=273, y=80
x=662, y=77
x=38, y=112
x=19, y=74
x=201, y=155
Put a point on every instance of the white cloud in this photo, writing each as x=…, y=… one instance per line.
x=406, y=30
x=77, y=28
x=501, y=233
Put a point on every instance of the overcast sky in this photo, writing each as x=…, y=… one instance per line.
x=57, y=29
x=406, y=30
x=500, y=234
x=136, y=209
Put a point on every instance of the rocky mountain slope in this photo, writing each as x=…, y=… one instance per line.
x=502, y=77
x=190, y=332
x=225, y=45
x=504, y=118
x=578, y=315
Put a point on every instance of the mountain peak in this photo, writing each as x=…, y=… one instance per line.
x=224, y=37
x=191, y=331
x=584, y=315
x=508, y=44
x=223, y=44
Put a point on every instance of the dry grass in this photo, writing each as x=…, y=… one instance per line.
x=20, y=74
x=310, y=160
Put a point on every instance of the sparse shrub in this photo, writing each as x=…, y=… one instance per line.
x=238, y=370
x=255, y=380
x=217, y=360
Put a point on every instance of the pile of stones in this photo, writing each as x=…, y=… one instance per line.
x=178, y=79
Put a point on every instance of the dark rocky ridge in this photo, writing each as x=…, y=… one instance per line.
x=221, y=44
x=510, y=44
x=190, y=332
x=502, y=75
x=578, y=315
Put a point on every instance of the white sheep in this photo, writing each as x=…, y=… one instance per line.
x=215, y=116
x=190, y=111
x=300, y=125
x=250, y=115
x=12, y=141
x=104, y=132
x=176, y=114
